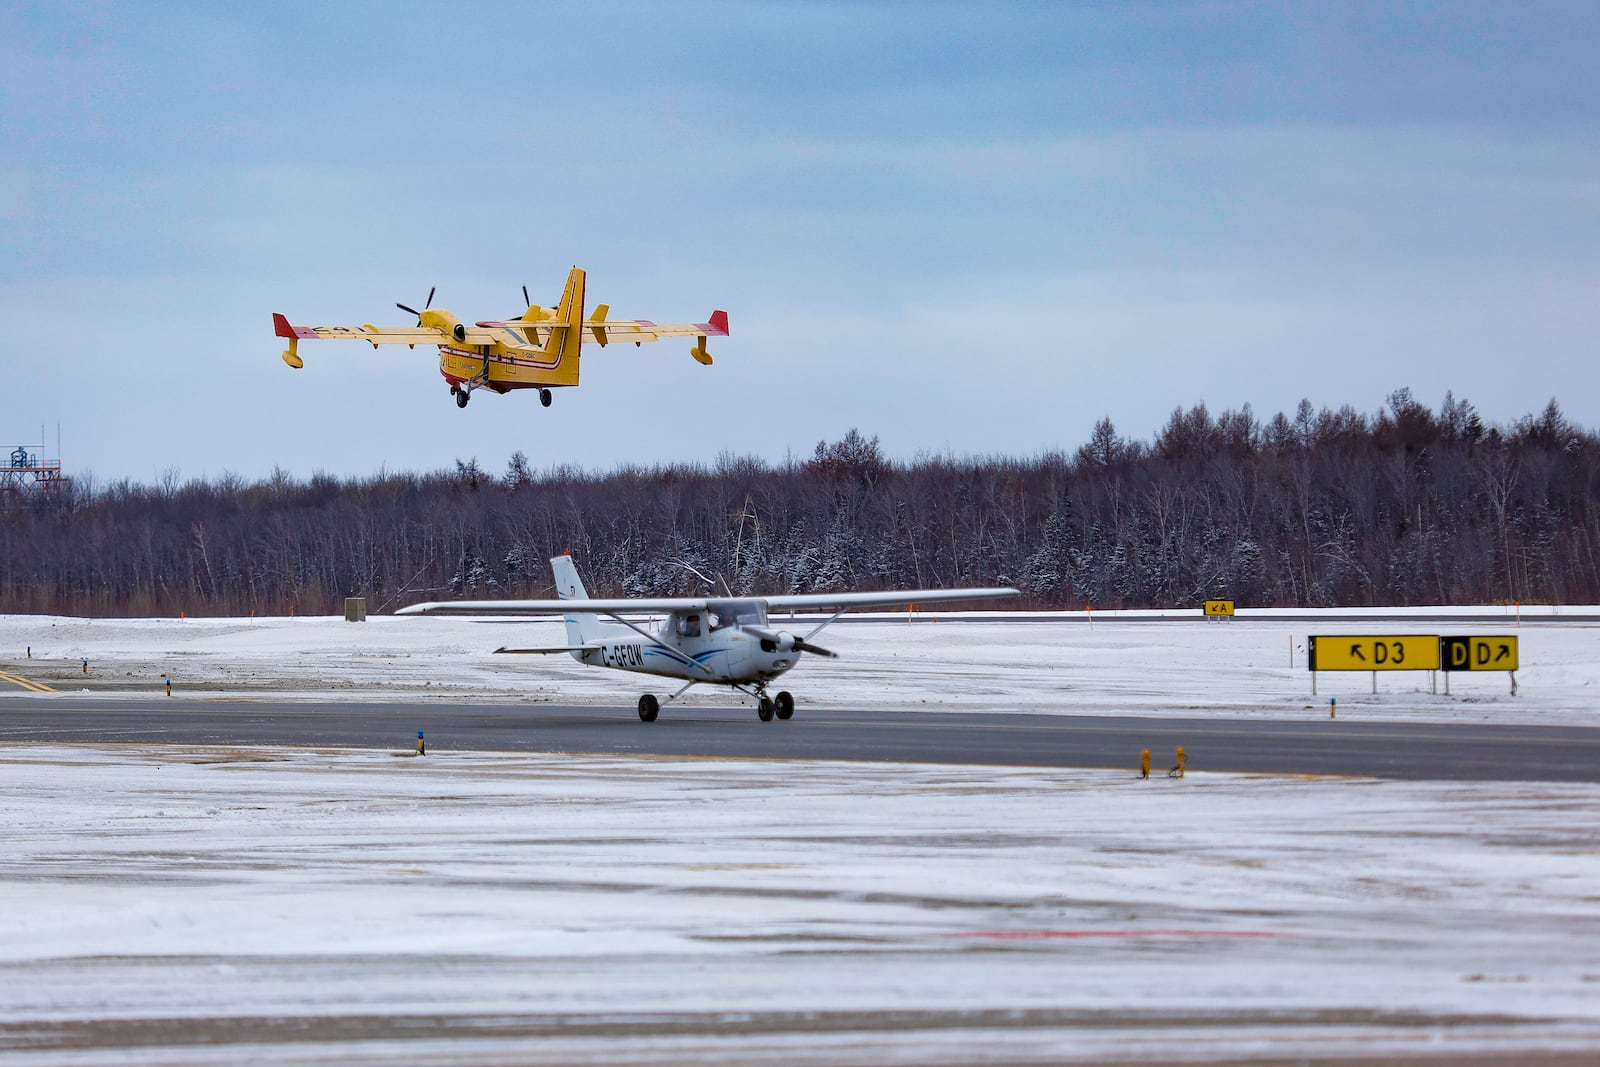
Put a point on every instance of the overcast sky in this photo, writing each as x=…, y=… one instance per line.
x=967, y=229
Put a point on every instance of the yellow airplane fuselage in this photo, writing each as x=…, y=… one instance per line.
x=503, y=369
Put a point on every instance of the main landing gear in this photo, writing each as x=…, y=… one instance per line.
x=767, y=708
x=782, y=706
x=463, y=395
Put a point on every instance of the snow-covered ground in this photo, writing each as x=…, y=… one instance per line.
x=170, y=904
x=1118, y=663
x=177, y=905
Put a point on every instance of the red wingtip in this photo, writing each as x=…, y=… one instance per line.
x=719, y=323
x=281, y=327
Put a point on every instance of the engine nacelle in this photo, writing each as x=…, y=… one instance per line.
x=782, y=642
x=440, y=319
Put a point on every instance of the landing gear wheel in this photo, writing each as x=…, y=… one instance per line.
x=764, y=709
x=545, y=397
x=649, y=707
x=785, y=704
x=454, y=389
x=462, y=396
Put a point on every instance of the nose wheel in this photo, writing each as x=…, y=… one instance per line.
x=545, y=397
x=461, y=395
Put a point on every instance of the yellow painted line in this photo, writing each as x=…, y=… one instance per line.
x=26, y=683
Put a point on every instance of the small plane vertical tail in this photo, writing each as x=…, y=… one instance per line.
x=580, y=628
x=565, y=344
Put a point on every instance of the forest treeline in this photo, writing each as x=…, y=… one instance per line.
x=1322, y=508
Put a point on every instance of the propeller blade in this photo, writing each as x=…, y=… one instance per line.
x=772, y=641
x=413, y=311
x=429, y=304
x=525, y=301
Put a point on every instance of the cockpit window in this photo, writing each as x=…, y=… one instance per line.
x=727, y=613
x=689, y=626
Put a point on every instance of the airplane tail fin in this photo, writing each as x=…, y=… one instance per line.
x=565, y=343
x=580, y=628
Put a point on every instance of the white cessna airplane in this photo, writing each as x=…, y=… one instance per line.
x=704, y=640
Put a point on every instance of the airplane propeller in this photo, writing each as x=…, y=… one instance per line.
x=426, y=306
x=784, y=641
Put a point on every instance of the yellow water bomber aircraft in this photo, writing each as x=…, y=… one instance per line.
x=538, y=350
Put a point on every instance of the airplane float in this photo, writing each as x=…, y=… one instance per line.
x=703, y=641
x=538, y=350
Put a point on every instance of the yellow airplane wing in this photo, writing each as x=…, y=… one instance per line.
x=603, y=331
x=373, y=335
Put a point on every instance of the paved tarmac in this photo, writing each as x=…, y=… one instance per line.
x=1440, y=751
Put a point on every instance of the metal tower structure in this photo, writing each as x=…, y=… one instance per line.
x=25, y=474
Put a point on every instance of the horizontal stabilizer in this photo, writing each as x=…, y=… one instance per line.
x=546, y=651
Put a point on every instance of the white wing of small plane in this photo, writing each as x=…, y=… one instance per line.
x=557, y=607
x=898, y=598
x=831, y=602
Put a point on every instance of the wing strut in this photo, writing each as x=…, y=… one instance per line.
x=829, y=621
